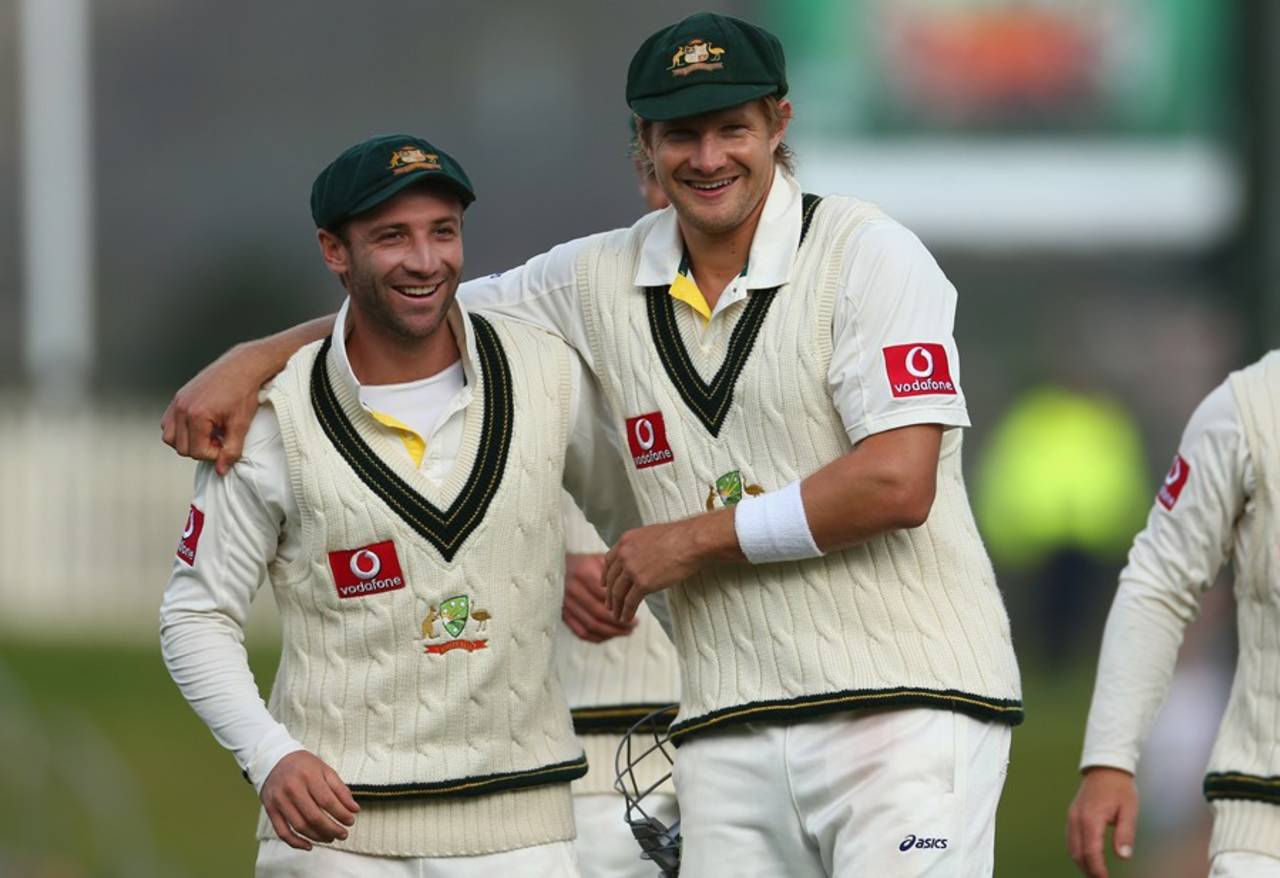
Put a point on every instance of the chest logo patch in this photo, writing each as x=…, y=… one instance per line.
x=368, y=570
x=918, y=370
x=729, y=490
x=452, y=616
x=1174, y=482
x=647, y=439
x=191, y=536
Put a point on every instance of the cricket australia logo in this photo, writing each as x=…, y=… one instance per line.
x=452, y=616
x=411, y=158
x=697, y=54
x=728, y=491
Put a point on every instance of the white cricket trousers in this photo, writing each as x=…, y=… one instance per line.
x=277, y=860
x=892, y=794
x=606, y=848
x=1242, y=864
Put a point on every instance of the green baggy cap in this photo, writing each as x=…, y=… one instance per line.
x=705, y=63
x=369, y=173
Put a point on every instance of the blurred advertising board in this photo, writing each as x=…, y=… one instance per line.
x=1022, y=123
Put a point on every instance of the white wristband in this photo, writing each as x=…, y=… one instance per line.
x=773, y=527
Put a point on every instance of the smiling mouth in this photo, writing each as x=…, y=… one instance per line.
x=417, y=292
x=709, y=185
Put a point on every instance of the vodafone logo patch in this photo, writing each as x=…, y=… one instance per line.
x=1174, y=482
x=367, y=570
x=918, y=370
x=191, y=536
x=647, y=438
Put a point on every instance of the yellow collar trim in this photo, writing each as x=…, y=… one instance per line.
x=686, y=290
x=413, y=443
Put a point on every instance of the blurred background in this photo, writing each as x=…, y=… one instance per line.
x=1097, y=177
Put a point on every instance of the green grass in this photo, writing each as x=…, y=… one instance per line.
x=106, y=772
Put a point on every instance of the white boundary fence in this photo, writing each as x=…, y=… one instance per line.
x=91, y=507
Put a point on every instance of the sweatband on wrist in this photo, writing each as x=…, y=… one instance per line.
x=773, y=527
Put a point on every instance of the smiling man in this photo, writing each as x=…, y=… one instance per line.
x=400, y=490
x=782, y=370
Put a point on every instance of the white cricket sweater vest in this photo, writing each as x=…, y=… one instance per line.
x=611, y=686
x=429, y=686
x=1243, y=782
x=909, y=618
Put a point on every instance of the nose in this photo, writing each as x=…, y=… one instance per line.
x=709, y=156
x=422, y=258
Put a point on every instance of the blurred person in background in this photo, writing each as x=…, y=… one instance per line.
x=614, y=674
x=836, y=617
x=400, y=490
x=1218, y=501
x=1060, y=492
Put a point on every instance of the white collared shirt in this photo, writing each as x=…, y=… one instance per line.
x=251, y=517
x=892, y=294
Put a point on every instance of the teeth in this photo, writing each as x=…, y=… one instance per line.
x=707, y=187
x=418, y=291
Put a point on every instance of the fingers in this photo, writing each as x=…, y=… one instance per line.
x=1095, y=860
x=180, y=443
x=168, y=427
x=592, y=622
x=631, y=603
x=326, y=797
x=612, y=571
x=1126, y=830
x=284, y=832
x=341, y=791
x=233, y=437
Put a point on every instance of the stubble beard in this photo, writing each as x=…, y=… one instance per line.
x=365, y=293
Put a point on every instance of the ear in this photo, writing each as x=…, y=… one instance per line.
x=337, y=258
x=784, y=119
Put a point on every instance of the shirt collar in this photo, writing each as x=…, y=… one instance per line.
x=773, y=249
x=457, y=320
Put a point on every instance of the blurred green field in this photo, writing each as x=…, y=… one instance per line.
x=106, y=772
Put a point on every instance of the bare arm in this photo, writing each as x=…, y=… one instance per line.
x=209, y=417
x=886, y=483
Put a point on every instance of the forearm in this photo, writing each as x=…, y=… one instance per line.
x=265, y=357
x=853, y=499
x=1139, y=650
x=207, y=660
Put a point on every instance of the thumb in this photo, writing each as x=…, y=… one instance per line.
x=1126, y=829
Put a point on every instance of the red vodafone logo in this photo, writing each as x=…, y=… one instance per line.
x=918, y=370
x=647, y=439
x=191, y=536
x=1174, y=482
x=367, y=570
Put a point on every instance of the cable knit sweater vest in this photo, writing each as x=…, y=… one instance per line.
x=909, y=618
x=1243, y=782
x=613, y=685
x=419, y=620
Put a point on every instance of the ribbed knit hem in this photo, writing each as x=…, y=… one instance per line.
x=601, y=751
x=457, y=827
x=1240, y=825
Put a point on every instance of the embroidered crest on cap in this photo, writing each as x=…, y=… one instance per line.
x=1174, y=482
x=191, y=536
x=411, y=158
x=697, y=54
x=453, y=615
x=366, y=570
x=647, y=438
x=918, y=370
x=728, y=490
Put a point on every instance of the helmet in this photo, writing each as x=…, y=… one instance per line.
x=648, y=741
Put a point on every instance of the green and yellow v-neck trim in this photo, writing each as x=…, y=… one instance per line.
x=709, y=402
x=685, y=289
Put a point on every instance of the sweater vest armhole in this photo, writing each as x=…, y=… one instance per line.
x=290, y=397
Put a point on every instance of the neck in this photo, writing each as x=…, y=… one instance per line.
x=716, y=258
x=380, y=357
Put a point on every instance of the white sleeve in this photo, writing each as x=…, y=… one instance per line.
x=1188, y=537
x=893, y=358
x=206, y=603
x=543, y=292
x=594, y=473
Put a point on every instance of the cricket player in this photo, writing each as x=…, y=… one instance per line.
x=400, y=489
x=1218, y=501
x=783, y=372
